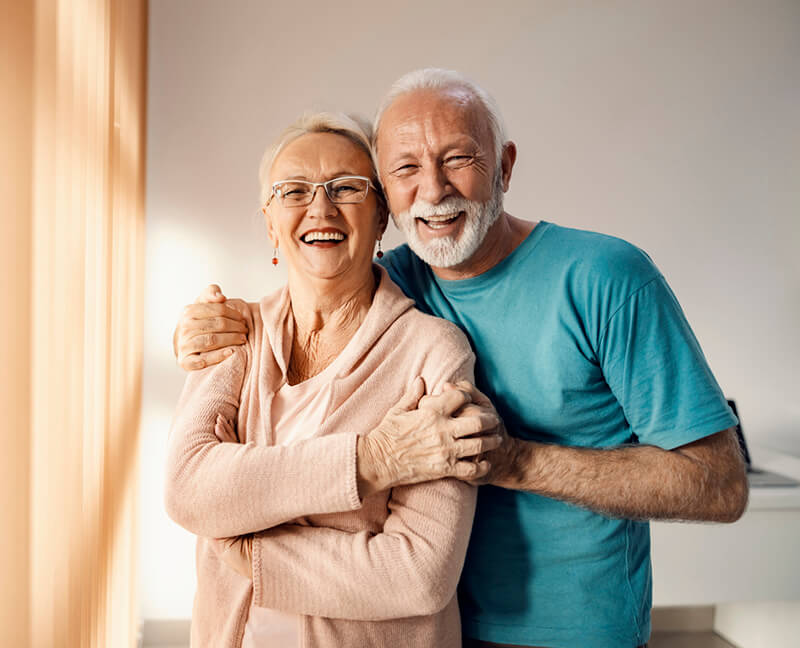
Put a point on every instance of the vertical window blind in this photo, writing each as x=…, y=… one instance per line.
x=85, y=222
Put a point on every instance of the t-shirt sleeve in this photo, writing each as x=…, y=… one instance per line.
x=654, y=366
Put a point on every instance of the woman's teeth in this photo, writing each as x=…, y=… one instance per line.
x=322, y=236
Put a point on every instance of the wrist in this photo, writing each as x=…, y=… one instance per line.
x=369, y=474
x=514, y=462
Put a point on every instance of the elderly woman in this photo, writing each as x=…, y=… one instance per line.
x=323, y=548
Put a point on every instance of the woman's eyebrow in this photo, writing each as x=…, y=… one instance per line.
x=332, y=176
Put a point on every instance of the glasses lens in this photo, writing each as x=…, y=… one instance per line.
x=347, y=190
x=294, y=193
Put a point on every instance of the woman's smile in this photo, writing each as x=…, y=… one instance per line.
x=325, y=237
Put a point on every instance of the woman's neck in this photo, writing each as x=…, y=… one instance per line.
x=326, y=315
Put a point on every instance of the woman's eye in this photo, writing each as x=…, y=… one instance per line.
x=343, y=190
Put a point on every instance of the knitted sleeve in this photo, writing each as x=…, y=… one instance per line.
x=206, y=477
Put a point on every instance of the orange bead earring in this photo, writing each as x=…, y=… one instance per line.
x=275, y=257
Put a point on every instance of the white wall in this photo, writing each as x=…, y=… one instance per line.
x=671, y=124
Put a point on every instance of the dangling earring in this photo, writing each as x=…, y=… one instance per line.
x=275, y=257
x=379, y=253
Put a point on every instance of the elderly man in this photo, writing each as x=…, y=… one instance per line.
x=613, y=416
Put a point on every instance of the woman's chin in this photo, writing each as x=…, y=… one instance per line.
x=320, y=269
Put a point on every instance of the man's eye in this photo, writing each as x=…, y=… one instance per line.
x=406, y=169
x=458, y=161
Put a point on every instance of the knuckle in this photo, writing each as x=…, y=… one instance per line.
x=194, y=363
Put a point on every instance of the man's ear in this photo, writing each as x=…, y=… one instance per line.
x=509, y=157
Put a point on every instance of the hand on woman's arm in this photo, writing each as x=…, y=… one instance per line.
x=428, y=437
x=209, y=329
x=221, y=489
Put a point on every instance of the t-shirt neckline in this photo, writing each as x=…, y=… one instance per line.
x=454, y=286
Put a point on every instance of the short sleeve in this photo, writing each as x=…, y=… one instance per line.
x=653, y=363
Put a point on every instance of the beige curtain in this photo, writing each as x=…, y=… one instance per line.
x=72, y=333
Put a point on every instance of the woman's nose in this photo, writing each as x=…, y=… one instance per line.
x=320, y=205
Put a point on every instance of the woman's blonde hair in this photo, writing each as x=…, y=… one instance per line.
x=353, y=127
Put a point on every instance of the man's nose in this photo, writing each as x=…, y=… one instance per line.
x=320, y=205
x=433, y=184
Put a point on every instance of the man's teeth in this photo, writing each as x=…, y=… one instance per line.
x=440, y=221
x=323, y=236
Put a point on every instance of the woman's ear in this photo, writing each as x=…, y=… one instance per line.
x=271, y=232
x=383, y=217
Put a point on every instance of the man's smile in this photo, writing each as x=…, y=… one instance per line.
x=442, y=222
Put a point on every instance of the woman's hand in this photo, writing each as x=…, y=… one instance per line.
x=430, y=437
x=237, y=553
x=208, y=329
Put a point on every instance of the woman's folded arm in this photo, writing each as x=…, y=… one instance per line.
x=217, y=489
x=410, y=569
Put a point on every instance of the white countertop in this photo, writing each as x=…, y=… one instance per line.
x=774, y=497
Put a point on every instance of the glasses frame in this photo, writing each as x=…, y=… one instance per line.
x=317, y=185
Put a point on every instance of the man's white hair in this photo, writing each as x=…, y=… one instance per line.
x=440, y=79
x=355, y=128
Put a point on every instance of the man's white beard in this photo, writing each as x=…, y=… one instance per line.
x=449, y=251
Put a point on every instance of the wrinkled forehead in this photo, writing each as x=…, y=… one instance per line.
x=419, y=116
x=320, y=156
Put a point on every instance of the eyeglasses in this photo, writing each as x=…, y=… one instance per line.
x=341, y=191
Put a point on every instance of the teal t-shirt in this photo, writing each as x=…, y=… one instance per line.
x=579, y=341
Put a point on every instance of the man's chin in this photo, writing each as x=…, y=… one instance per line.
x=439, y=255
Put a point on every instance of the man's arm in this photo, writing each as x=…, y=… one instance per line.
x=703, y=480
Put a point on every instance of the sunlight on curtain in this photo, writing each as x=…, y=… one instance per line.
x=87, y=278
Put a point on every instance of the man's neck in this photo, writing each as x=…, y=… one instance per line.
x=501, y=240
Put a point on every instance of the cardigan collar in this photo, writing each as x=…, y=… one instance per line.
x=388, y=304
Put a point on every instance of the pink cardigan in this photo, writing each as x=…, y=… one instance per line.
x=380, y=572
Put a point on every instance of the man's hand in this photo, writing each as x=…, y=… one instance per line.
x=208, y=329
x=421, y=439
x=502, y=459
